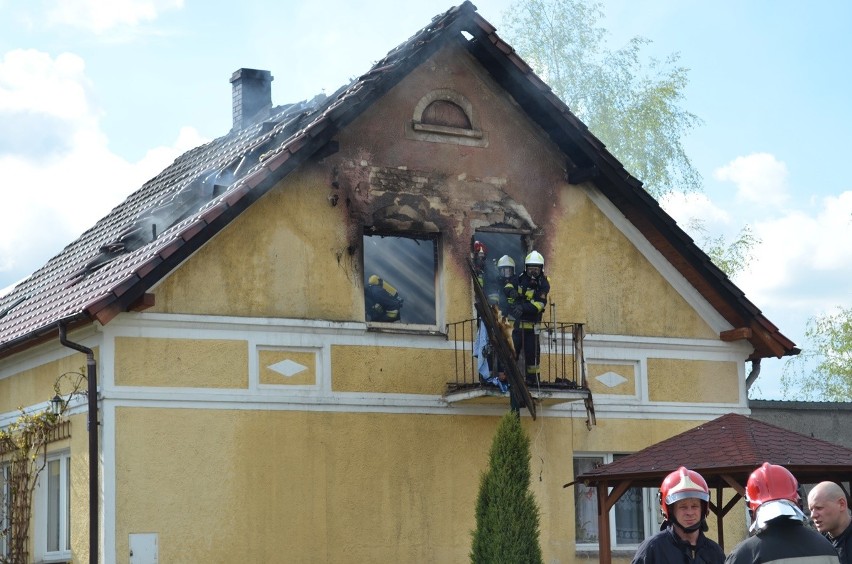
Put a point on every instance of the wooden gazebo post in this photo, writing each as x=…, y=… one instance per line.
x=604, y=554
x=606, y=500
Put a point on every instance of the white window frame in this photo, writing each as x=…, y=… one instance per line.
x=5, y=505
x=435, y=242
x=41, y=499
x=651, y=520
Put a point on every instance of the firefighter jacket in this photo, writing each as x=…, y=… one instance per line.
x=667, y=548
x=784, y=540
x=527, y=298
x=382, y=301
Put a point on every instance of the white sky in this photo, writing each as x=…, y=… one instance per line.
x=97, y=96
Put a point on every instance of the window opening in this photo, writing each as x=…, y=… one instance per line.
x=498, y=244
x=58, y=507
x=400, y=273
x=446, y=116
x=632, y=516
x=446, y=113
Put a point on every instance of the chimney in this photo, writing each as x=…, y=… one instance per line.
x=251, y=95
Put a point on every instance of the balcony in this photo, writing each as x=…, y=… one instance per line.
x=562, y=366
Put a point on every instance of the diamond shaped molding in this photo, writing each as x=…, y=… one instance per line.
x=287, y=368
x=611, y=379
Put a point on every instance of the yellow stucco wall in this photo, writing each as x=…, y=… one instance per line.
x=336, y=487
x=298, y=487
x=391, y=370
x=78, y=445
x=35, y=385
x=599, y=278
x=692, y=381
x=210, y=363
x=286, y=256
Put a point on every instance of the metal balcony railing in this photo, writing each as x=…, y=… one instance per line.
x=562, y=362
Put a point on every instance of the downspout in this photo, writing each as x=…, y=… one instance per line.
x=752, y=376
x=92, y=427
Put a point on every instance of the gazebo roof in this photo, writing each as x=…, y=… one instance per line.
x=733, y=446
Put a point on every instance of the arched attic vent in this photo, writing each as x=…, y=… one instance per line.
x=445, y=116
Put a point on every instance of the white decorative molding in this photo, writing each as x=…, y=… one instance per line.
x=287, y=368
x=611, y=379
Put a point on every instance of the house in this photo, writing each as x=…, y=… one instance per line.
x=246, y=409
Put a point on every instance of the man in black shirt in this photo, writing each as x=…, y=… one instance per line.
x=830, y=513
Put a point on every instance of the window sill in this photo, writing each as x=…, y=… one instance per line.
x=582, y=554
x=425, y=330
x=444, y=130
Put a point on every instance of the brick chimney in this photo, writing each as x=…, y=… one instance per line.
x=251, y=95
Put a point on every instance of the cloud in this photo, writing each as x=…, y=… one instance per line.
x=51, y=197
x=804, y=261
x=686, y=207
x=99, y=16
x=759, y=177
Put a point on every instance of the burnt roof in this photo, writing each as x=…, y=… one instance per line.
x=108, y=269
x=732, y=445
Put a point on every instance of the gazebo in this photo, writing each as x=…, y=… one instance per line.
x=724, y=451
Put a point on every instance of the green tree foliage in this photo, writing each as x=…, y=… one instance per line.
x=732, y=257
x=634, y=104
x=823, y=371
x=631, y=103
x=507, y=517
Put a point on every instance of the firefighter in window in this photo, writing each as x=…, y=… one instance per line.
x=527, y=297
x=505, y=276
x=383, y=302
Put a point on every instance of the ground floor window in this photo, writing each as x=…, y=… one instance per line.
x=55, y=503
x=631, y=519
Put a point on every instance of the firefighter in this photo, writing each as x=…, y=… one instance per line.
x=505, y=276
x=527, y=297
x=778, y=524
x=685, y=504
x=382, y=300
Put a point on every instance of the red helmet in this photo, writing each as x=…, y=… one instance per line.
x=479, y=247
x=683, y=484
x=771, y=482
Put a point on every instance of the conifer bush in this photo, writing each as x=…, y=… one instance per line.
x=507, y=517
